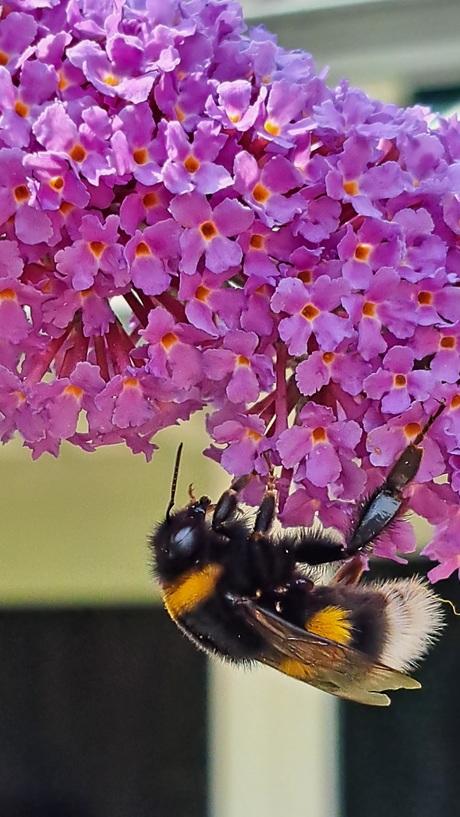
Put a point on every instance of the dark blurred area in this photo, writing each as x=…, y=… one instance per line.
x=103, y=714
x=404, y=760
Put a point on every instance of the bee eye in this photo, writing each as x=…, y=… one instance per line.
x=184, y=539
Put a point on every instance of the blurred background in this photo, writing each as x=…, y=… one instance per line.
x=105, y=709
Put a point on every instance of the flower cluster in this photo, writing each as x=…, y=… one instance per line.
x=192, y=218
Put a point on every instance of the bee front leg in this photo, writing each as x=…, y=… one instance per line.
x=226, y=506
x=267, y=510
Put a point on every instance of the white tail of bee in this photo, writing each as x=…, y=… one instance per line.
x=414, y=621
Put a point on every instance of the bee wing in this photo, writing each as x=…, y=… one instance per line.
x=332, y=667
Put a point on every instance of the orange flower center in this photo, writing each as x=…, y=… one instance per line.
x=73, y=391
x=448, y=342
x=150, y=200
x=351, y=188
x=412, y=429
x=142, y=249
x=57, y=183
x=272, y=128
x=202, y=293
x=21, y=109
x=208, y=230
x=191, y=164
x=168, y=340
x=369, y=309
x=306, y=276
x=78, y=153
x=424, y=298
x=21, y=193
x=362, y=252
x=260, y=193
x=310, y=312
x=140, y=156
x=319, y=435
x=256, y=241
x=97, y=248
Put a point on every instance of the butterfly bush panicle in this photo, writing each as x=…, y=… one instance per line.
x=191, y=217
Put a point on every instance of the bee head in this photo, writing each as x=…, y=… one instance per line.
x=179, y=539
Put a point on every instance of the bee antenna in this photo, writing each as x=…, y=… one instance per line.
x=174, y=482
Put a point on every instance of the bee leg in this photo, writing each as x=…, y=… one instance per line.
x=227, y=504
x=349, y=574
x=267, y=510
x=316, y=550
x=388, y=500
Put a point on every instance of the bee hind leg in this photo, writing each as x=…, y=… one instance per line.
x=384, y=505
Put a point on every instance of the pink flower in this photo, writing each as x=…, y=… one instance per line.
x=191, y=217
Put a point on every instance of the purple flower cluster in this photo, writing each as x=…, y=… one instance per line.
x=192, y=218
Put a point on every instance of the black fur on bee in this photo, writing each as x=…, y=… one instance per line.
x=245, y=593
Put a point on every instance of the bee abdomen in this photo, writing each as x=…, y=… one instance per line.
x=413, y=621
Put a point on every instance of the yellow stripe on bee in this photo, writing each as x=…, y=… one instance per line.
x=191, y=589
x=295, y=669
x=332, y=623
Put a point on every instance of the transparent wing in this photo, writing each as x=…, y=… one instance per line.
x=324, y=664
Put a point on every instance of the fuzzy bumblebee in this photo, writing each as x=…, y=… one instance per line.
x=245, y=593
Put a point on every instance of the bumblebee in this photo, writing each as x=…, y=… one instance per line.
x=244, y=593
